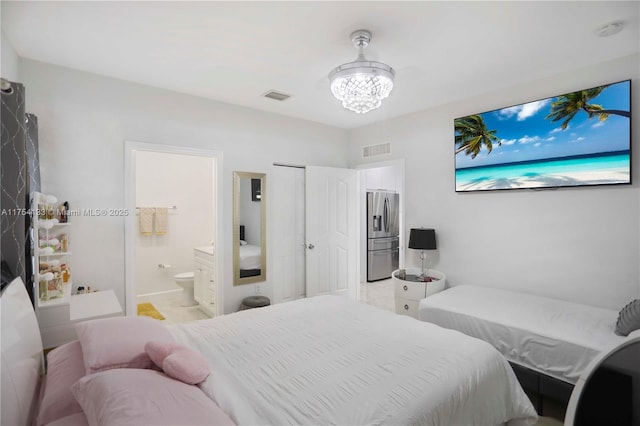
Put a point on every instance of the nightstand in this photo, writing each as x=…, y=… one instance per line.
x=409, y=291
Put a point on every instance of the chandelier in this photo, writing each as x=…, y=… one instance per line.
x=361, y=85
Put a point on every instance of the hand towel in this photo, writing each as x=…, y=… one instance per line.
x=162, y=220
x=146, y=220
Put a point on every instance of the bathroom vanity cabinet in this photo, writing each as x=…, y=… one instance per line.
x=205, y=286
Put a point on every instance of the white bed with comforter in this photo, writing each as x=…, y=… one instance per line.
x=328, y=360
x=317, y=361
x=554, y=337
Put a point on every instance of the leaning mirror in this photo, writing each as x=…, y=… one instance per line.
x=249, y=228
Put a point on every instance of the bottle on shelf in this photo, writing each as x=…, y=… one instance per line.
x=63, y=242
x=66, y=274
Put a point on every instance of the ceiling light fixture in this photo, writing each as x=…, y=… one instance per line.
x=361, y=85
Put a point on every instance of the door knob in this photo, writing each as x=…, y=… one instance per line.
x=311, y=246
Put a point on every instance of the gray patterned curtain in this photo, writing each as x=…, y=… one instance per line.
x=33, y=184
x=33, y=158
x=19, y=175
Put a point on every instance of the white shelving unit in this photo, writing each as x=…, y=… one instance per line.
x=57, y=315
x=45, y=227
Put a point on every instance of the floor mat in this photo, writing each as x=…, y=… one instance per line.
x=147, y=309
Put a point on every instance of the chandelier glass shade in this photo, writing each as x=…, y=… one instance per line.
x=361, y=85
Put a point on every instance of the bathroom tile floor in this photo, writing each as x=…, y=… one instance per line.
x=169, y=305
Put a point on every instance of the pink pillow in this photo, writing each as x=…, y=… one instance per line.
x=187, y=366
x=158, y=350
x=178, y=361
x=119, y=342
x=64, y=368
x=144, y=397
x=78, y=419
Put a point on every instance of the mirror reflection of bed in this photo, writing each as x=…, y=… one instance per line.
x=250, y=256
x=249, y=228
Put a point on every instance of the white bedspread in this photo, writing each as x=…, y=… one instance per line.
x=330, y=361
x=551, y=336
x=250, y=257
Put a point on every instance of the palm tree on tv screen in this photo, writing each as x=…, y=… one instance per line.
x=472, y=134
x=567, y=106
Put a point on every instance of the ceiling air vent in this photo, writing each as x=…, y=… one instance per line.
x=277, y=96
x=375, y=150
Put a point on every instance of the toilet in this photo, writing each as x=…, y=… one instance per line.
x=185, y=280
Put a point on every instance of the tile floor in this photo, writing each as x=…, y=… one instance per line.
x=378, y=293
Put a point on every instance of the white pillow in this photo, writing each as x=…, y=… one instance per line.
x=144, y=397
x=628, y=318
x=119, y=342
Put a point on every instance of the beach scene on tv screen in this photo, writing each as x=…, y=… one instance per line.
x=580, y=138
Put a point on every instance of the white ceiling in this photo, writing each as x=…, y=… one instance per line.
x=236, y=51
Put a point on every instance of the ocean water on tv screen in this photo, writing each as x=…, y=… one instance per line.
x=607, y=168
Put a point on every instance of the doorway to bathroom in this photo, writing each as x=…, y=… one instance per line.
x=172, y=200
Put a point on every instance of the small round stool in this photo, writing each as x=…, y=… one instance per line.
x=254, y=302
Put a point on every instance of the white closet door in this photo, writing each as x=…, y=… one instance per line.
x=287, y=193
x=332, y=231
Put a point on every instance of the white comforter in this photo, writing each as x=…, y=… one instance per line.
x=330, y=361
x=555, y=337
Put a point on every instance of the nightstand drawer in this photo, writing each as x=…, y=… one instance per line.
x=410, y=290
x=407, y=307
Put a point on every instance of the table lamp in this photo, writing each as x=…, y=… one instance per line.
x=422, y=239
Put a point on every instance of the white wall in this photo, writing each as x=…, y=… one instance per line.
x=8, y=59
x=579, y=244
x=84, y=120
x=166, y=180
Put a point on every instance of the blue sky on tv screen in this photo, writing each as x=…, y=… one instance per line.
x=526, y=134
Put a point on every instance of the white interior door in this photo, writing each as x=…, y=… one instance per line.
x=287, y=192
x=331, y=231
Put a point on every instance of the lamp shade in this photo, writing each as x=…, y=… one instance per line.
x=422, y=239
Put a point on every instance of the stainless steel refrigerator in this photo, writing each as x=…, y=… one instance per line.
x=383, y=249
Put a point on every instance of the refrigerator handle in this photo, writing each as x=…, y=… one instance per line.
x=386, y=214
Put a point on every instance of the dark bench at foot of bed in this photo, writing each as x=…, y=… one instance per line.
x=542, y=386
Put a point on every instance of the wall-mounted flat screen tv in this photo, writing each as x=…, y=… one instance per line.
x=576, y=139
